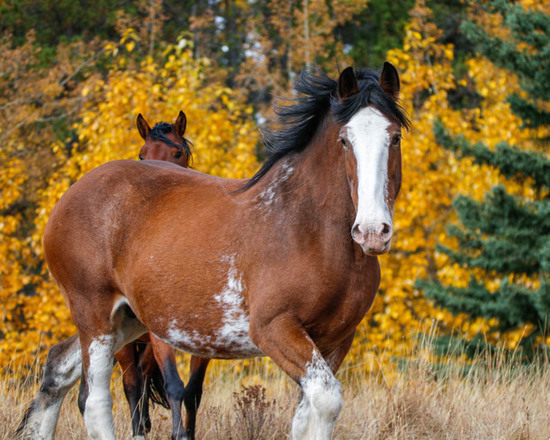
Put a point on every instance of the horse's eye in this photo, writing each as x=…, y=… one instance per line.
x=396, y=140
x=178, y=154
x=344, y=142
x=140, y=156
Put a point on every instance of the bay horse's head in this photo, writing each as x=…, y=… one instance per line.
x=371, y=138
x=165, y=141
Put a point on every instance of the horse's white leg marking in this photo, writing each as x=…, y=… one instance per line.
x=61, y=372
x=98, y=413
x=321, y=402
x=368, y=134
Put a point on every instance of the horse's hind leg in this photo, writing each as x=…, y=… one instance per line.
x=61, y=372
x=105, y=326
x=193, y=392
x=173, y=386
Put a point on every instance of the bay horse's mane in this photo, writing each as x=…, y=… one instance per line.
x=295, y=124
x=159, y=132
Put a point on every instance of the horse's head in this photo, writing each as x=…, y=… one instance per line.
x=165, y=141
x=371, y=139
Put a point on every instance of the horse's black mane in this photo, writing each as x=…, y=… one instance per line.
x=159, y=132
x=296, y=124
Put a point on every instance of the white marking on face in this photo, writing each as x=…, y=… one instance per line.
x=321, y=402
x=368, y=134
x=269, y=195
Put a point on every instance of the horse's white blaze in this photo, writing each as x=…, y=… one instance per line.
x=321, y=402
x=368, y=133
x=98, y=413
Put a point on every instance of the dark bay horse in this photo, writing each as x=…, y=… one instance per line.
x=282, y=265
x=148, y=364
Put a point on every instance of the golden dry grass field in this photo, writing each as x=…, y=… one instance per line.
x=494, y=399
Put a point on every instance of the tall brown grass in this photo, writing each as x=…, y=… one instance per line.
x=426, y=397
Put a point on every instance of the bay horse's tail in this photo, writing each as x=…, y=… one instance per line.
x=152, y=376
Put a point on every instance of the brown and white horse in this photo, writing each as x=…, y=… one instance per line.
x=148, y=364
x=282, y=265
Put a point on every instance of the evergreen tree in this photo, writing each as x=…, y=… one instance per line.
x=506, y=237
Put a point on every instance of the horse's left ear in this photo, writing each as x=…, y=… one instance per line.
x=347, y=83
x=389, y=81
x=181, y=124
x=142, y=126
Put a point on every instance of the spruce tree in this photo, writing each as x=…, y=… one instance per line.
x=505, y=236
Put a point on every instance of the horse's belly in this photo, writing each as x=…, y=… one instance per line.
x=228, y=340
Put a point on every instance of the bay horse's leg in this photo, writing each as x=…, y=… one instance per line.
x=173, y=386
x=193, y=392
x=132, y=381
x=97, y=359
x=61, y=372
x=285, y=340
x=105, y=325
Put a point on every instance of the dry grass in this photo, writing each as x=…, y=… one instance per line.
x=494, y=400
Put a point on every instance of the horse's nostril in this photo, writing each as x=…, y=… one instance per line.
x=385, y=230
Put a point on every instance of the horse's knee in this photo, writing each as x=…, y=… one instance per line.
x=321, y=403
x=173, y=386
x=322, y=389
x=324, y=394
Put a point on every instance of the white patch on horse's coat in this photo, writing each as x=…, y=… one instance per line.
x=321, y=402
x=368, y=133
x=193, y=342
x=231, y=339
x=268, y=195
x=234, y=331
x=98, y=414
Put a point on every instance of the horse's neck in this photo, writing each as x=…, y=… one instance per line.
x=309, y=190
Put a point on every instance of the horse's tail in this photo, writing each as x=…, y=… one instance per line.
x=155, y=388
x=153, y=380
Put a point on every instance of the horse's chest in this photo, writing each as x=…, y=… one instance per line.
x=342, y=314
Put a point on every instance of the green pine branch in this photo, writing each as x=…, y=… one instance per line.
x=510, y=161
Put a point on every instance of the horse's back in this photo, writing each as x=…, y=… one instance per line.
x=95, y=217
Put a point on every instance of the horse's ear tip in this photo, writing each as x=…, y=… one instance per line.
x=389, y=66
x=348, y=70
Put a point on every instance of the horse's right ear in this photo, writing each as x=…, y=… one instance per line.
x=347, y=84
x=142, y=126
x=181, y=124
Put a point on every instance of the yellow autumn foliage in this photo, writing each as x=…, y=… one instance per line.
x=34, y=316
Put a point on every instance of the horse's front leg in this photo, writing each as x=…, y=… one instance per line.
x=173, y=385
x=193, y=392
x=286, y=341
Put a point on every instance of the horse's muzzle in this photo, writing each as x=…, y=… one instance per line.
x=373, y=239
